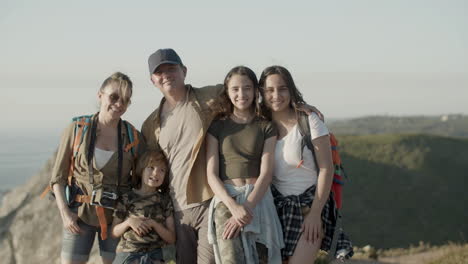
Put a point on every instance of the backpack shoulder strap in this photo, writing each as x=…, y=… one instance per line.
x=133, y=139
x=82, y=124
x=304, y=129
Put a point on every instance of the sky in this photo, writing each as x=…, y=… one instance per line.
x=349, y=58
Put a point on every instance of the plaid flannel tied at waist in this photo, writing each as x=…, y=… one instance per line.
x=289, y=210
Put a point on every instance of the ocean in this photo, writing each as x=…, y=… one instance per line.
x=22, y=156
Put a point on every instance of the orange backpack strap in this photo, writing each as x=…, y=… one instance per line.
x=82, y=198
x=82, y=124
x=46, y=190
x=102, y=221
x=133, y=139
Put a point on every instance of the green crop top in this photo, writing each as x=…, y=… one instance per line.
x=241, y=146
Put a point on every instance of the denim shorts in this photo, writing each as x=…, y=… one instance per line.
x=139, y=257
x=77, y=247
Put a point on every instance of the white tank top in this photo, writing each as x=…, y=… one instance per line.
x=288, y=178
x=102, y=157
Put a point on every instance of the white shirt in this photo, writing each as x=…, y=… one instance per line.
x=288, y=178
x=102, y=157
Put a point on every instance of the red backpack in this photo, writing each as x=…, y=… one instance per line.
x=339, y=173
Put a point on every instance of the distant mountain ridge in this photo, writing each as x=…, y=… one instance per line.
x=451, y=125
x=403, y=189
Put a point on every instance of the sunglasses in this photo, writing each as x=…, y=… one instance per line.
x=114, y=98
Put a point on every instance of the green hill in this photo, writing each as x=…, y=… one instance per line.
x=403, y=189
x=454, y=125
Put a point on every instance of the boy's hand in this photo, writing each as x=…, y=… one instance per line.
x=153, y=224
x=139, y=224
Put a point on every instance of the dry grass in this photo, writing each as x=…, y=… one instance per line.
x=457, y=254
x=413, y=249
x=423, y=253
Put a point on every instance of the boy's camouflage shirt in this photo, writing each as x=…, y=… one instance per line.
x=156, y=206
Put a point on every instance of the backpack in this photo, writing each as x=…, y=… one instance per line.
x=344, y=248
x=339, y=173
x=73, y=194
x=82, y=126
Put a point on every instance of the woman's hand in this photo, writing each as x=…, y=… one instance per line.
x=139, y=224
x=242, y=214
x=231, y=229
x=312, y=227
x=70, y=221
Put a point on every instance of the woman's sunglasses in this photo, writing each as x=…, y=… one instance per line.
x=114, y=98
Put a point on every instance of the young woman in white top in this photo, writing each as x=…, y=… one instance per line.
x=295, y=173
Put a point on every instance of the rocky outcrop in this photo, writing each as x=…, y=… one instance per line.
x=30, y=227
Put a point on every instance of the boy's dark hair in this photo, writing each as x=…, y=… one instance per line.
x=148, y=159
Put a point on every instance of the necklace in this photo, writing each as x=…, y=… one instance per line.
x=241, y=119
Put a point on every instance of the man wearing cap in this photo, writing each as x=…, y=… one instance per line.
x=178, y=126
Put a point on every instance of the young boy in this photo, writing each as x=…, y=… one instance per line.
x=144, y=216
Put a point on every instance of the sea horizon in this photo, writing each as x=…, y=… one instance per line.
x=23, y=155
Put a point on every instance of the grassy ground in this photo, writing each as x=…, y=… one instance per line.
x=424, y=253
x=457, y=254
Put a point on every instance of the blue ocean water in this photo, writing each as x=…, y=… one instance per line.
x=22, y=156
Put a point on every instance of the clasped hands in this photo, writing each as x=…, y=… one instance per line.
x=242, y=215
x=141, y=225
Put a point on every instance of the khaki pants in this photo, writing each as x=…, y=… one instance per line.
x=192, y=236
x=231, y=250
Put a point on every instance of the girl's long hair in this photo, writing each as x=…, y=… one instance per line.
x=295, y=94
x=228, y=108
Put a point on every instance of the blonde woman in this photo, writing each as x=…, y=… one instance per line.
x=92, y=168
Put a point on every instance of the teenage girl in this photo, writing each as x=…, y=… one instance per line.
x=243, y=223
x=309, y=216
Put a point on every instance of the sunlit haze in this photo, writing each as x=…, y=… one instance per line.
x=349, y=58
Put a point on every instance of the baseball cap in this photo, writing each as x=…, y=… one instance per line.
x=162, y=56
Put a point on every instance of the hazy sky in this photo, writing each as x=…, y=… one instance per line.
x=349, y=58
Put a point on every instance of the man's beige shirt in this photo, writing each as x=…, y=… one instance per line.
x=180, y=134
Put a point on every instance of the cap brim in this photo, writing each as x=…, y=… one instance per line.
x=163, y=62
